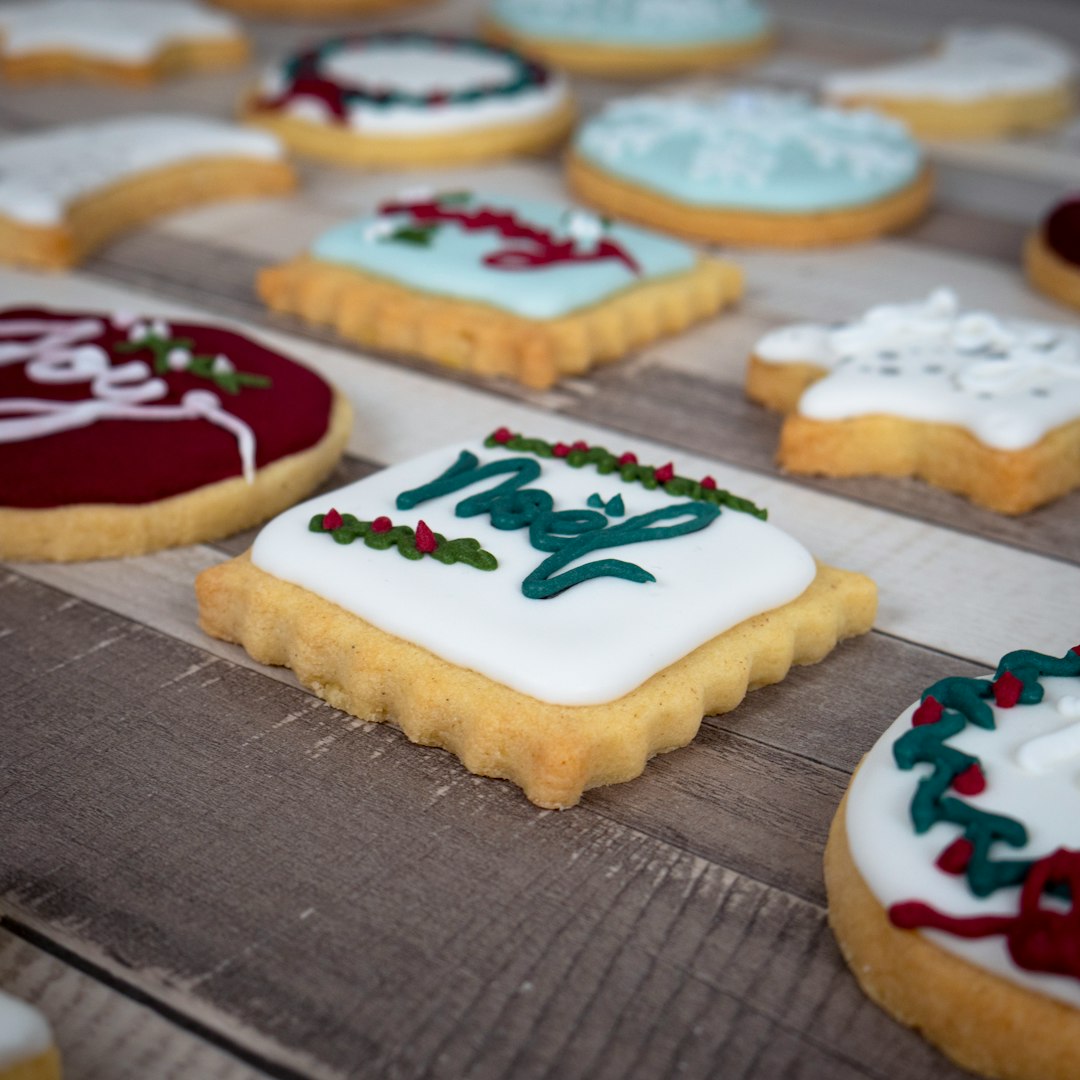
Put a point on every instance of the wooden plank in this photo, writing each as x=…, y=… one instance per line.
x=104, y=1035
x=281, y=866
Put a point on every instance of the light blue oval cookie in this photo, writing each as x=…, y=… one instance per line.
x=660, y=23
x=751, y=150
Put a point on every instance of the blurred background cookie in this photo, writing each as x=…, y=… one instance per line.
x=405, y=99
x=125, y=41
x=980, y=82
x=750, y=167
x=632, y=37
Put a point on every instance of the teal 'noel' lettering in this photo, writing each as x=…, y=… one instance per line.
x=466, y=471
x=540, y=585
x=567, y=535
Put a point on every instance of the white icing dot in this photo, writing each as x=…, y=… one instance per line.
x=1069, y=706
x=222, y=365
x=178, y=359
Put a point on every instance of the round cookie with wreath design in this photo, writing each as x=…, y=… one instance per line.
x=121, y=435
x=751, y=167
x=953, y=868
x=632, y=37
x=404, y=99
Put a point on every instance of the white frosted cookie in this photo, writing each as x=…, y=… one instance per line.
x=122, y=40
x=950, y=865
x=404, y=98
x=983, y=406
x=980, y=82
x=750, y=167
x=65, y=191
x=499, y=285
x=27, y=1051
x=632, y=37
x=535, y=607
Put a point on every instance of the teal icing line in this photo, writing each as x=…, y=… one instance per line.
x=964, y=701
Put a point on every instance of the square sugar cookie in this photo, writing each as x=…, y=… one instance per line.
x=499, y=285
x=553, y=614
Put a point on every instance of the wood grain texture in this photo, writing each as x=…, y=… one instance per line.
x=243, y=835
x=328, y=900
x=103, y=1035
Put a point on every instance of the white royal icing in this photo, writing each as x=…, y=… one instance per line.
x=970, y=64
x=24, y=1032
x=898, y=865
x=123, y=31
x=61, y=354
x=592, y=643
x=414, y=67
x=751, y=149
x=655, y=23
x=1008, y=381
x=43, y=173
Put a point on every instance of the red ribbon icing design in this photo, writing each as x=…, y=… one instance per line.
x=540, y=247
x=1038, y=938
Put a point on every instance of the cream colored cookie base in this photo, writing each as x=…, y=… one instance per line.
x=44, y=1066
x=553, y=752
x=986, y=118
x=312, y=9
x=627, y=61
x=180, y=58
x=482, y=339
x=342, y=145
x=948, y=456
x=981, y=1021
x=779, y=386
x=106, y=531
x=96, y=218
x=1050, y=273
x=750, y=227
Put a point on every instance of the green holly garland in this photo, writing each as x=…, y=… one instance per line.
x=203, y=366
x=579, y=454
x=946, y=709
x=413, y=544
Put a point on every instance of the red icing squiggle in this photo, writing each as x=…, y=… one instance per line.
x=1038, y=938
x=1061, y=231
x=542, y=248
x=129, y=461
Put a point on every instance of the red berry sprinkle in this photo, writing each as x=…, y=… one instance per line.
x=332, y=521
x=1007, y=690
x=929, y=712
x=971, y=781
x=580, y=445
x=665, y=473
x=955, y=858
x=503, y=435
x=708, y=483
x=381, y=524
x=560, y=449
x=425, y=538
x=628, y=459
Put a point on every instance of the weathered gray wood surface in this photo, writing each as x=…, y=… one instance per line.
x=229, y=860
